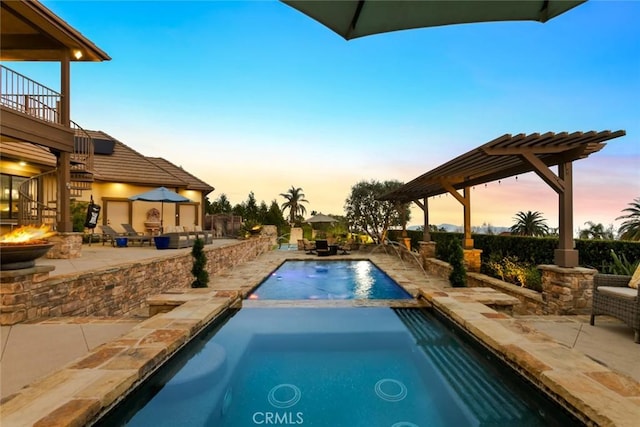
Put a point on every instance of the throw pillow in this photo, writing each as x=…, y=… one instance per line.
x=635, y=279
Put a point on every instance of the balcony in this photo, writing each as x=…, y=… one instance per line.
x=30, y=112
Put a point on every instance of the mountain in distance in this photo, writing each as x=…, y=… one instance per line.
x=451, y=228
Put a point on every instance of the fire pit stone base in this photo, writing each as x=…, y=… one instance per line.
x=66, y=246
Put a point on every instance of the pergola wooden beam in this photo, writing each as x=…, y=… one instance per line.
x=508, y=156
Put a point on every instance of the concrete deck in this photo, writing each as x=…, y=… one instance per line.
x=47, y=353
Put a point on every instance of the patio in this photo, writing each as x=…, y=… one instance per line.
x=605, y=396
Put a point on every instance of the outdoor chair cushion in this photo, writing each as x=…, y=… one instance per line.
x=619, y=292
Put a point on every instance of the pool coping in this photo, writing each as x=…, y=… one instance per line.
x=85, y=388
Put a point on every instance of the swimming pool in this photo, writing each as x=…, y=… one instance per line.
x=321, y=280
x=335, y=367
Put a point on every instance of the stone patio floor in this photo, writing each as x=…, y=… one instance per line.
x=92, y=361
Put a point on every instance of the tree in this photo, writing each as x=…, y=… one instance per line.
x=372, y=216
x=630, y=229
x=251, y=208
x=219, y=206
x=295, y=197
x=239, y=210
x=530, y=224
x=596, y=232
x=274, y=216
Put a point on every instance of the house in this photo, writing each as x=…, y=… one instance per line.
x=36, y=120
x=120, y=172
x=47, y=160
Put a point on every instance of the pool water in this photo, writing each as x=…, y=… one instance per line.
x=322, y=280
x=368, y=366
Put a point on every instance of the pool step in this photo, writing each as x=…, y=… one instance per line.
x=490, y=401
x=334, y=303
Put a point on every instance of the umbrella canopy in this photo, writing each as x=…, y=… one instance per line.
x=357, y=18
x=320, y=218
x=160, y=194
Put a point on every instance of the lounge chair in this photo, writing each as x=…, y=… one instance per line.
x=345, y=248
x=109, y=235
x=322, y=248
x=613, y=296
x=136, y=236
x=307, y=246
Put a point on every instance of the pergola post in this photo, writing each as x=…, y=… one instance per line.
x=468, y=241
x=426, y=233
x=63, y=159
x=566, y=255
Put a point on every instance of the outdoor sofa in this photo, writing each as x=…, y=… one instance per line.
x=198, y=233
x=613, y=296
x=178, y=237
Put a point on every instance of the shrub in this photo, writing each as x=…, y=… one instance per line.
x=78, y=215
x=199, y=262
x=621, y=265
x=458, y=276
x=511, y=270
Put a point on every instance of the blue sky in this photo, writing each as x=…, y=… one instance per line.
x=255, y=96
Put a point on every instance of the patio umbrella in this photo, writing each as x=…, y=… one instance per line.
x=357, y=18
x=320, y=218
x=162, y=195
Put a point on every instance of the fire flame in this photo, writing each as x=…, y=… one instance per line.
x=27, y=234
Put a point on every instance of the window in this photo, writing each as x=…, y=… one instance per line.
x=9, y=185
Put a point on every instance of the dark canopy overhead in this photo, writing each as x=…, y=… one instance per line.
x=501, y=158
x=358, y=18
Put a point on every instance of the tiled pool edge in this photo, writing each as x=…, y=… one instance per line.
x=594, y=393
x=78, y=393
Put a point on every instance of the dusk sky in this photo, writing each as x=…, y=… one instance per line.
x=255, y=96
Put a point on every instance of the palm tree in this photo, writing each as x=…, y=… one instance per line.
x=596, y=232
x=630, y=229
x=294, y=197
x=530, y=224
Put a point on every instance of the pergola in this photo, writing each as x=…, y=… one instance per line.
x=504, y=157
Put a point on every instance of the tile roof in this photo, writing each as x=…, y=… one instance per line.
x=124, y=165
x=193, y=183
x=128, y=166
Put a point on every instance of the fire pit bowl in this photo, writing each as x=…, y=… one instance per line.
x=18, y=256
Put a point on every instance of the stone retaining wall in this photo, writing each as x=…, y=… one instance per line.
x=531, y=302
x=114, y=291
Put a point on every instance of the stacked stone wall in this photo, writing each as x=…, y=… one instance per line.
x=114, y=291
x=567, y=290
x=66, y=246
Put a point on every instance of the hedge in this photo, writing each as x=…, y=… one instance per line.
x=535, y=250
